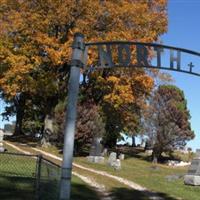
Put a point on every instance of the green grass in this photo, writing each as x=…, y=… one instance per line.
x=12, y=165
x=141, y=172
x=17, y=177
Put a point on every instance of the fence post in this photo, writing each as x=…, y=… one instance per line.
x=73, y=90
x=38, y=176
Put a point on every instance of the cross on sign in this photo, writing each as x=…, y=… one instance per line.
x=191, y=66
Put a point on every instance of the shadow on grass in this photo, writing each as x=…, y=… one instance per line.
x=14, y=188
x=127, y=194
x=83, y=192
x=139, y=156
x=18, y=188
x=130, y=194
x=49, y=190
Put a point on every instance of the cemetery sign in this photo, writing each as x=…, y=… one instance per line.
x=137, y=54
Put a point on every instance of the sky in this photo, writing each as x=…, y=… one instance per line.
x=183, y=31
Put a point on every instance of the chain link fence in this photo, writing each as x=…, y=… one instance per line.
x=48, y=179
x=29, y=177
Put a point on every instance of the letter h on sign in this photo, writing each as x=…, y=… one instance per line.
x=176, y=59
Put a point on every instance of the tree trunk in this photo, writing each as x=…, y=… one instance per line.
x=18, y=125
x=156, y=155
x=19, y=115
x=133, y=141
x=48, y=131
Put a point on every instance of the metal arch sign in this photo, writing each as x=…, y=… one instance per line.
x=174, y=58
x=111, y=55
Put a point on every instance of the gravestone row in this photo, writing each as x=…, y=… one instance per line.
x=97, y=154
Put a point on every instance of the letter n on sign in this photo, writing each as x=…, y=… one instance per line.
x=105, y=56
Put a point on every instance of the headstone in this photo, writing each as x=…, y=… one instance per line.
x=175, y=163
x=121, y=156
x=96, y=148
x=197, y=153
x=194, y=168
x=95, y=159
x=112, y=159
x=117, y=164
x=96, y=151
x=193, y=175
x=143, y=143
x=149, y=152
x=1, y=141
x=105, y=152
x=172, y=162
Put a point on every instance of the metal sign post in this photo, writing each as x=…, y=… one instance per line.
x=73, y=90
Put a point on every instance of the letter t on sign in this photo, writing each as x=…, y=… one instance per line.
x=159, y=50
x=176, y=59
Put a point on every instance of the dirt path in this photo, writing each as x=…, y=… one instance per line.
x=98, y=187
x=104, y=194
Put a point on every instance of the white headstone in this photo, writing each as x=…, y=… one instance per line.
x=112, y=158
x=113, y=161
x=121, y=156
x=117, y=164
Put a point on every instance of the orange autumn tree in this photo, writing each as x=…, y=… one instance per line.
x=35, y=40
x=121, y=98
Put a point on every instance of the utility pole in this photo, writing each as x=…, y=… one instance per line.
x=70, y=121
